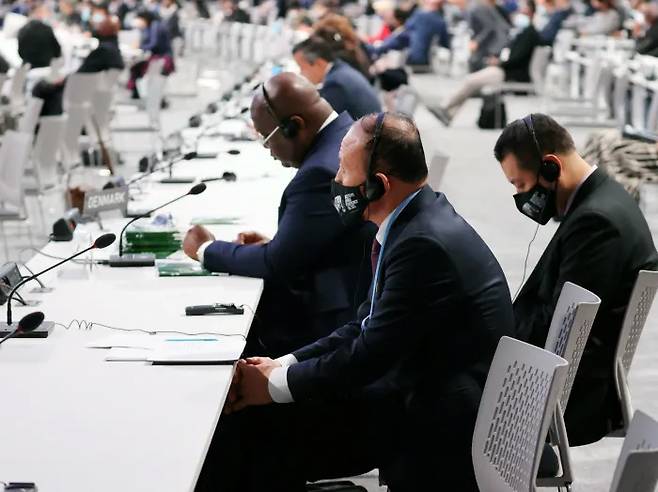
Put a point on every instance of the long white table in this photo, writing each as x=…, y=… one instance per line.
x=69, y=420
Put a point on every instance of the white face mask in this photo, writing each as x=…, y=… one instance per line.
x=97, y=18
x=521, y=21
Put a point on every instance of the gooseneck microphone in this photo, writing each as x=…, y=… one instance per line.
x=146, y=259
x=101, y=242
x=27, y=324
x=170, y=165
x=162, y=166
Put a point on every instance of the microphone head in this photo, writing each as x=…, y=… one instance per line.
x=104, y=241
x=30, y=322
x=233, y=152
x=190, y=155
x=197, y=188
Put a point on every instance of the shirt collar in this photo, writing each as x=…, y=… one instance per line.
x=330, y=119
x=380, y=236
x=575, y=192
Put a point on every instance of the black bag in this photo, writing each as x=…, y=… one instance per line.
x=492, y=114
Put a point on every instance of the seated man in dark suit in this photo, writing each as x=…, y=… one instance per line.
x=601, y=245
x=313, y=265
x=399, y=387
x=344, y=87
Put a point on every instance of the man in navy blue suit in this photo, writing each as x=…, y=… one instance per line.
x=313, y=265
x=344, y=87
x=399, y=387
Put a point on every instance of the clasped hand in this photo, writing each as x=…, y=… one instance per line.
x=250, y=384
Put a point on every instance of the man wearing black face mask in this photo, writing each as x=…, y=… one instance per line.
x=397, y=388
x=312, y=267
x=602, y=243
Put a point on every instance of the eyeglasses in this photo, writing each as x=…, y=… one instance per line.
x=267, y=139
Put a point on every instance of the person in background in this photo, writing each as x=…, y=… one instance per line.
x=68, y=15
x=156, y=45
x=602, y=243
x=398, y=387
x=557, y=11
x=37, y=44
x=233, y=13
x=384, y=9
x=513, y=67
x=424, y=27
x=4, y=65
x=313, y=267
x=338, y=32
x=342, y=86
x=168, y=12
x=490, y=30
x=604, y=21
x=646, y=32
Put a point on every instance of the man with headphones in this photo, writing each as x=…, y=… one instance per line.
x=398, y=388
x=602, y=243
x=313, y=267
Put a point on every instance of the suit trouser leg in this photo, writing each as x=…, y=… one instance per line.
x=281, y=447
x=472, y=85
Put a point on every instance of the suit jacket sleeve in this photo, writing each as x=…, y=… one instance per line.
x=588, y=252
x=418, y=278
x=308, y=224
x=521, y=50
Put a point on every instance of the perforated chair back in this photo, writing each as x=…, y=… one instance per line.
x=46, y=147
x=437, y=169
x=76, y=117
x=406, y=100
x=636, y=316
x=80, y=88
x=637, y=467
x=109, y=79
x=572, y=320
x=17, y=85
x=541, y=57
x=30, y=117
x=14, y=152
x=155, y=83
x=521, y=393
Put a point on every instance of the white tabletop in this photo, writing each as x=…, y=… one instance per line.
x=72, y=421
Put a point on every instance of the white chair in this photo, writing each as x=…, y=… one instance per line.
x=14, y=153
x=77, y=115
x=541, y=57
x=570, y=326
x=522, y=390
x=637, y=468
x=80, y=88
x=406, y=100
x=636, y=316
x=437, y=169
x=44, y=160
x=17, y=86
x=30, y=118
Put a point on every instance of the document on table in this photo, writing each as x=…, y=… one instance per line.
x=171, y=349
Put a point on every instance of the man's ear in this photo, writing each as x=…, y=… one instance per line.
x=301, y=124
x=385, y=181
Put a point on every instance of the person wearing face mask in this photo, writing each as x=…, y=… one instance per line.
x=313, y=269
x=513, y=65
x=398, y=387
x=37, y=44
x=344, y=87
x=602, y=243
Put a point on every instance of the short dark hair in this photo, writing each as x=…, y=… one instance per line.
x=399, y=150
x=315, y=48
x=552, y=138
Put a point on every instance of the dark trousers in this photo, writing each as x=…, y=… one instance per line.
x=281, y=447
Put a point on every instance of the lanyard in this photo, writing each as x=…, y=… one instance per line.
x=394, y=215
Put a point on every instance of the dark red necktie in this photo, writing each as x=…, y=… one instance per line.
x=374, y=255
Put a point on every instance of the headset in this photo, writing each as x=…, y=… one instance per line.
x=548, y=169
x=374, y=186
x=289, y=127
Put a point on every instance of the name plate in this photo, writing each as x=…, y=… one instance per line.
x=103, y=200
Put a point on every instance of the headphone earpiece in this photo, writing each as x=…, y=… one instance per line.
x=289, y=127
x=549, y=170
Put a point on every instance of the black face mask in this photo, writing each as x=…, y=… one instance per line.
x=349, y=202
x=539, y=203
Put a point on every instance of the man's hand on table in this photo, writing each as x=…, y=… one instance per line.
x=194, y=238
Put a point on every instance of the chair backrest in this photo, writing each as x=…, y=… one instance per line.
x=522, y=390
x=30, y=117
x=541, y=57
x=637, y=311
x=406, y=100
x=51, y=133
x=572, y=320
x=637, y=467
x=77, y=115
x=155, y=83
x=80, y=88
x=437, y=169
x=109, y=79
x=619, y=96
x=14, y=153
x=17, y=85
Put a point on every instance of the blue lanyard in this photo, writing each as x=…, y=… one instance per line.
x=394, y=215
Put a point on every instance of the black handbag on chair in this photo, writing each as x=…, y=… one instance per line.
x=492, y=114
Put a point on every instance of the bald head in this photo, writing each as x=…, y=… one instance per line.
x=292, y=101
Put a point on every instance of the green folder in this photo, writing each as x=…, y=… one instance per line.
x=215, y=220
x=182, y=269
